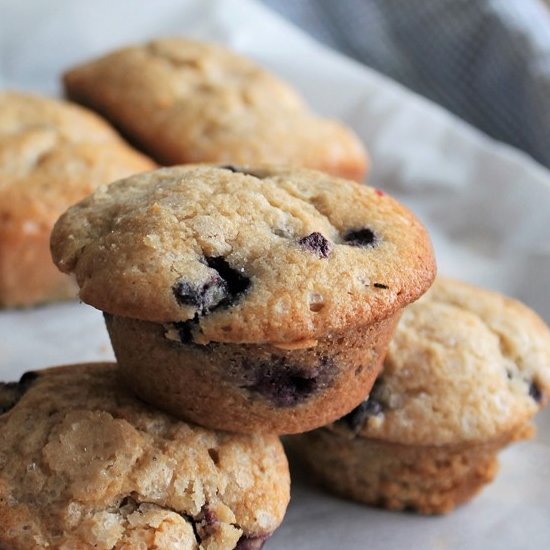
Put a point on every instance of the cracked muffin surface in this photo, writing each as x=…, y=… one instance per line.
x=52, y=154
x=87, y=465
x=186, y=101
x=465, y=364
x=248, y=255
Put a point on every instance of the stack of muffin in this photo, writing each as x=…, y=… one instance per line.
x=246, y=301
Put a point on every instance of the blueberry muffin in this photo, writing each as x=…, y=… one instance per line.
x=86, y=465
x=465, y=372
x=52, y=154
x=246, y=300
x=184, y=102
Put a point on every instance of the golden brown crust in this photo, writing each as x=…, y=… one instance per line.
x=250, y=388
x=465, y=372
x=428, y=480
x=185, y=101
x=52, y=154
x=133, y=244
x=465, y=364
x=86, y=465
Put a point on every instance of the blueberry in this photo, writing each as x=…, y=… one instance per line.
x=364, y=237
x=208, y=516
x=372, y=406
x=185, y=331
x=222, y=288
x=27, y=380
x=535, y=392
x=11, y=392
x=251, y=543
x=315, y=242
x=285, y=384
x=206, y=523
x=203, y=296
x=235, y=282
x=9, y=395
x=356, y=418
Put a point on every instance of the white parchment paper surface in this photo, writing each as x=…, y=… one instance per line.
x=487, y=207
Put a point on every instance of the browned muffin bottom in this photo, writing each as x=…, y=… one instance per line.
x=424, y=479
x=249, y=387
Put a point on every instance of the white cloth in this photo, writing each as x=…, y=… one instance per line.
x=486, y=205
x=488, y=61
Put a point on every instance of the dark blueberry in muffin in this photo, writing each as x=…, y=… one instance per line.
x=235, y=282
x=185, y=330
x=534, y=392
x=221, y=289
x=284, y=384
x=11, y=392
x=364, y=237
x=251, y=543
x=316, y=242
x=203, y=296
x=356, y=418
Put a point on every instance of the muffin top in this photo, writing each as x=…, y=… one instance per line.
x=53, y=153
x=87, y=465
x=465, y=365
x=187, y=101
x=246, y=255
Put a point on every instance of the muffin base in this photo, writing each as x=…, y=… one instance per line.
x=251, y=387
x=424, y=479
